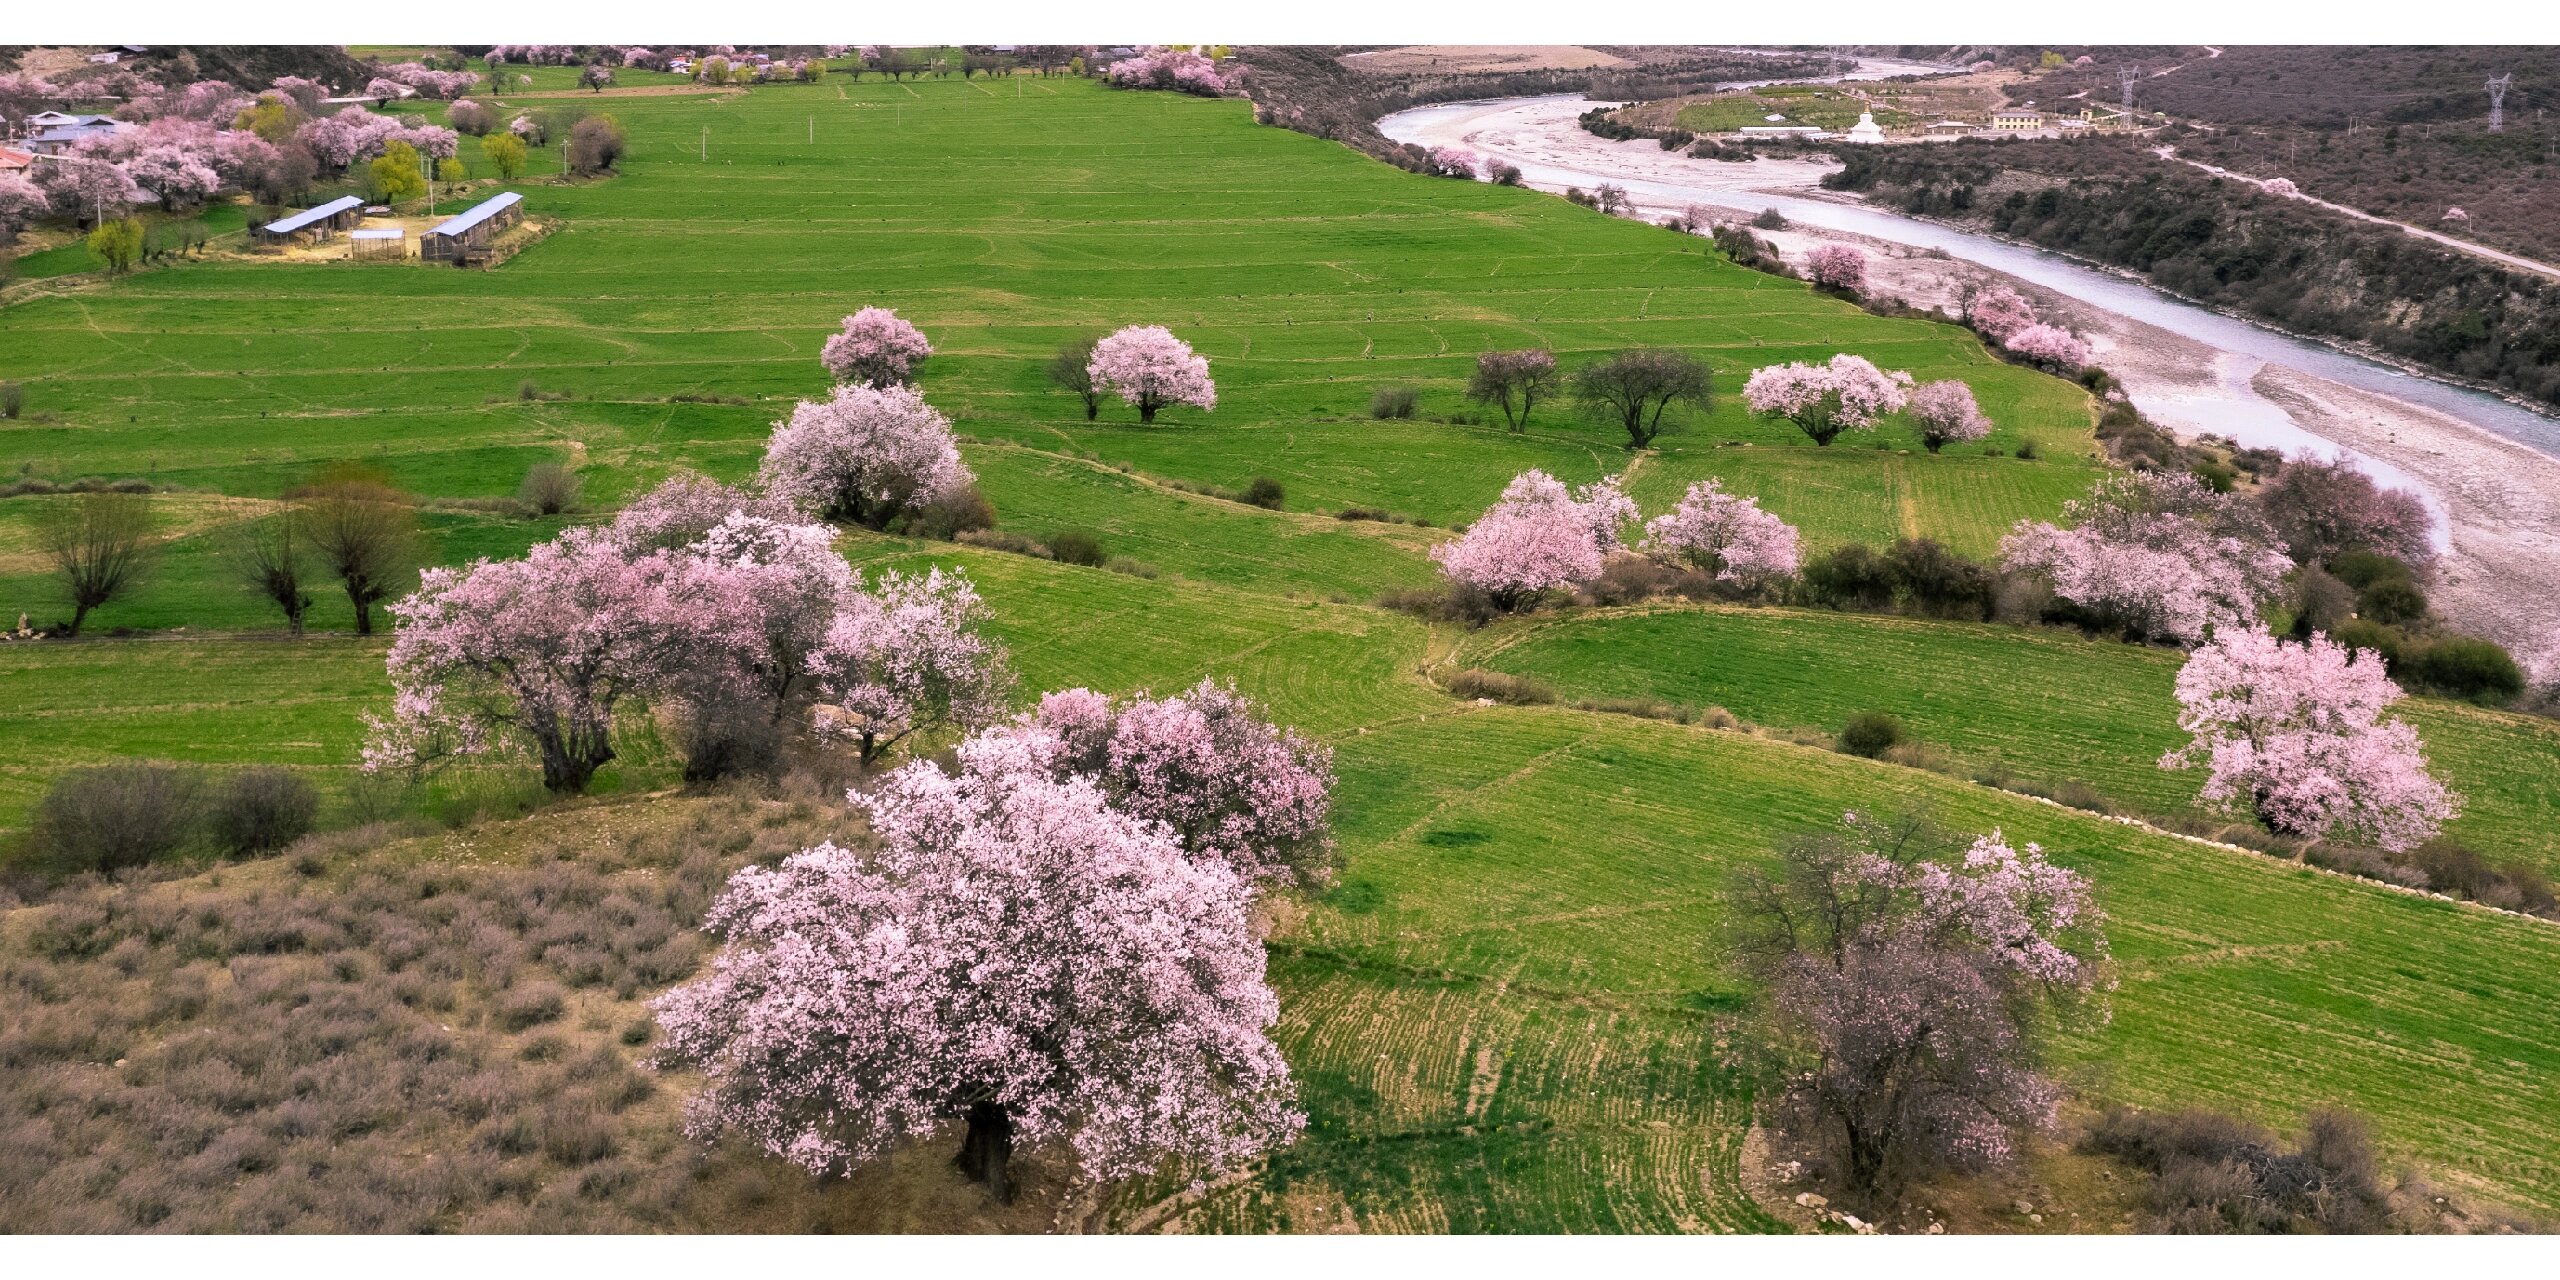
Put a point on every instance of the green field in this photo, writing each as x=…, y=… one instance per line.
x=1513, y=1013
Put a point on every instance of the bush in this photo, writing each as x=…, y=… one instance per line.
x=1264, y=491
x=1003, y=540
x=262, y=810
x=1941, y=583
x=528, y=390
x=1870, y=734
x=1073, y=546
x=2362, y=569
x=1394, y=402
x=2392, y=601
x=116, y=816
x=13, y=399
x=1133, y=568
x=549, y=488
x=531, y=1005
x=2320, y=602
x=1770, y=220
x=1851, y=576
x=2364, y=633
x=946, y=518
x=1476, y=682
x=2465, y=667
x=2214, y=1175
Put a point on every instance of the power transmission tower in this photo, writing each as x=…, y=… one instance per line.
x=2498, y=102
x=2129, y=74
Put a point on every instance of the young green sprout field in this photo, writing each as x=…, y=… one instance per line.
x=1513, y=1012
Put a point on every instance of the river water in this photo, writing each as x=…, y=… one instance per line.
x=1506, y=129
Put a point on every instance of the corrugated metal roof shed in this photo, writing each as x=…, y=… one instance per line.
x=287, y=226
x=477, y=214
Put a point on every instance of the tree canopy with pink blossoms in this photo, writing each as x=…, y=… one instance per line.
x=1838, y=266
x=1998, y=311
x=1230, y=785
x=22, y=205
x=1145, y=365
x=1908, y=973
x=2294, y=734
x=1537, y=536
x=2051, y=346
x=1018, y=957
x=1848, y=394
x=2325, y=508
x=545, y=647
x=1724, y=535
x=1945, y=413
x=877, y=349
x=1182, y=70
x=2155, y=553
x=757, y=600
x=1455, y=162
x=868, y=455
x=908, y=657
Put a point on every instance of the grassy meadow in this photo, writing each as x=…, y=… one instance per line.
x=1513, y=1013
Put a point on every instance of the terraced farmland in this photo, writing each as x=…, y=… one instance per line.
x=1512, y=1012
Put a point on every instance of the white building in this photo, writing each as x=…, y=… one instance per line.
x=1866, y=129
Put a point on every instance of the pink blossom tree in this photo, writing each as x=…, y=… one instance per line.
x=1945, y=413
x=1905, y=986
x=89, y=189
x=868, y=455
x=2155, y=553
x=877, y=349
x=22, y=205
x=1848, y=394
x=1537, y=536
x=1230, y=785
x=683, y=509
x=2051, y=346
x=2323, y=509
x=1016, y=957
x=909, y=657
x=1182, y=70
x=759, y=599
x=1838, y=266
x=2293, y=733
x=177, y=176
x=1149, y=367
x=1724, y=535
x=304, y=93
x=1997, y=311
x=543, y=649
x=1455, y=162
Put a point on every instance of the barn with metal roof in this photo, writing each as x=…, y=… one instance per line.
x=466, y=235
x=317, y=222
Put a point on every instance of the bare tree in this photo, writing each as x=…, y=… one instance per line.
x=272, y=557
x=96, y=543
x=1072, y=369
x=1513, y=380
x=549, y=488
x=1634, y=387
x=365, y=533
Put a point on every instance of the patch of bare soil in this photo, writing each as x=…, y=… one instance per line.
x=1456, y=58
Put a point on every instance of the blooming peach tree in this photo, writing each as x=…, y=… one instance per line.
x=2154, y=553
x=1229, y=784
x=1848, y=394
x=1147, y=366
x=2294, y=734
x=906, y=657
x=2051, y=346
x=2323, y=509
x=1725, y=535
x=1998, y=311
x=1017, y=957
x=1838, y=266
x=1536, y=537
x=1945, y=413
x=877, y=349
x=867, y=455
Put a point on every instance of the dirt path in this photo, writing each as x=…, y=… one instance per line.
x=2455, y=243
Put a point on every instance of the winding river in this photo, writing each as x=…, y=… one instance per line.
x=1524, y=132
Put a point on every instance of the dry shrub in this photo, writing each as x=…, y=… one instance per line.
x=2215, y=1175
x=114, y=817
x=1870, y=734
x=1478, y=683
x=549, y=489
x=261, y=810
x=332, y=1053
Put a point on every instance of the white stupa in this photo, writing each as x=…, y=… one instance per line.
x=1866, y=129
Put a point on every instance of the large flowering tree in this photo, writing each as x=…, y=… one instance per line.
x=2323, y=509
x=877, y=349
x=2051, y=346
x=22, y=205
x=1848, y=394
x=759, y=598
x=544, y=648
x=1018, y=956
x=1149, y=367
x=867, y=455
x=1945, y=413
x=906, y=657
x=2155, y=553
x=1907, y=977
x=1537, y=536
x=2294, y=734
x=1230, y=785
x=1182, y=70
x=1998, y=311
x=1838, y=266
x=1724, y=535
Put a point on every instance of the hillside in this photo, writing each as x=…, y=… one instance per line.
x=1512, y=1014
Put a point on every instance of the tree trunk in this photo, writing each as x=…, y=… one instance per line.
x=79, y=614
x=1146, y=409
x=364, y=611
x=987, y=1153
x=568, y=772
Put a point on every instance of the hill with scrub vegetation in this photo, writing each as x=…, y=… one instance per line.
x=1516, y=999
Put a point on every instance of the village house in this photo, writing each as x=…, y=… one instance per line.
x=59, y=138
x=316, y=223
x=464, y=238
x=2016, y=120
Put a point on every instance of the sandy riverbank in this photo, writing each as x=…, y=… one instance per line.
x=2498, y=501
